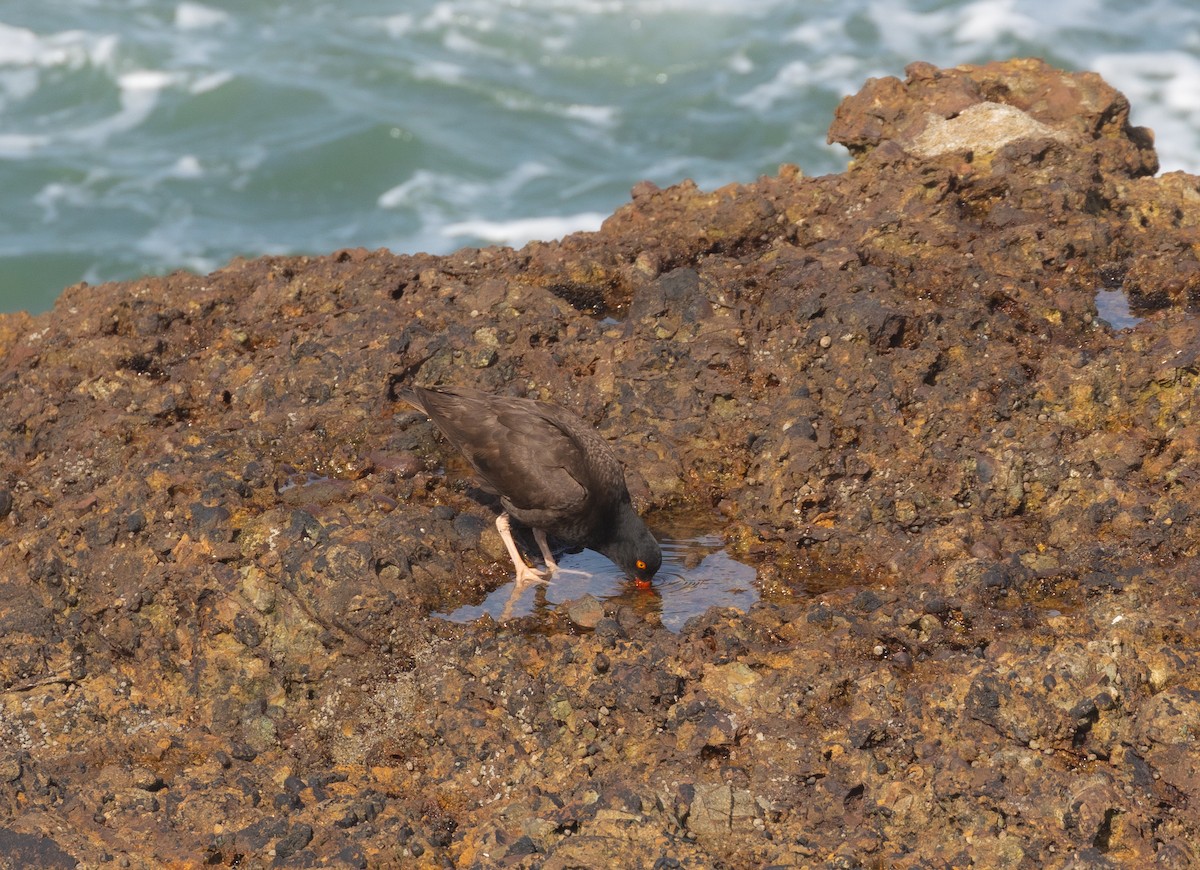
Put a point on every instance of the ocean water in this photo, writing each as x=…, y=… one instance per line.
x=143, y=136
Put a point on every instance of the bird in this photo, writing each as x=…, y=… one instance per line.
x=553, y=473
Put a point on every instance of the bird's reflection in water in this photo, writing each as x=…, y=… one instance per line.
x=696, y=574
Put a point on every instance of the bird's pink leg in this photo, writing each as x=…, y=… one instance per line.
x=544, y=546
x=525, y=574
x=551, y=564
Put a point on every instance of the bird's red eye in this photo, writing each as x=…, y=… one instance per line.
x=641, y=566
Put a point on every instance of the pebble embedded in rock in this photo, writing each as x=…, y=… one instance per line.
x=299, y=836
x=135, y=521
x=585, y=611
x=146, y=779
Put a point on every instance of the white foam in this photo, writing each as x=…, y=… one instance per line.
x=397, y=26
x=518, y=232
x=790, y=79
x=1168, y=77
x=647, y=8
x=600, y=116
x=49, y=198
x=1162, y=88
x=174, y=242
x=76, y=194
x=16, y=146
x=73, y=49
x=910, y=34
x=187, y=166
x=988, y=26
x=210, y=82
x=141, y=81
x=795, y=79
x=19, y=84
x=439, y=71
x=520, y=175
x=740, y=64
x=425, y=187
x=419, y=187
x=710, y=7
x=20, y=47
x=196, y=16
x=139, y=92
x=597, y=116
x=438, y=200
x=818, y=34
x=459, y=43
x=987, y=21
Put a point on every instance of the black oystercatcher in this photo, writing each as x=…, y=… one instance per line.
x=553, y=473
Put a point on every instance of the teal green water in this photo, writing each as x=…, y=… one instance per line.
x=142, y=137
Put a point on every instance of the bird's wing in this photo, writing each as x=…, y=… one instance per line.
x=518, y=446
x=533, y=462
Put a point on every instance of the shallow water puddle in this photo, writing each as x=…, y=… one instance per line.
x=1112, y=306
x=696, y=574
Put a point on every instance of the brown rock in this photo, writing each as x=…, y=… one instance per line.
x=972, y=504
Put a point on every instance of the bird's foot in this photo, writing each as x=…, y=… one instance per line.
x=571, y=572
x=526, y=575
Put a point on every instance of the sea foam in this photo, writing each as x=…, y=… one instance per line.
x=518, y=232
x=196, y=16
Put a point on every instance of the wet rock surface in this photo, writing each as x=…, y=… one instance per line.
x=970, y=502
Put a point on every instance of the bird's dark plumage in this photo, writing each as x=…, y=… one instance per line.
x=552, y=472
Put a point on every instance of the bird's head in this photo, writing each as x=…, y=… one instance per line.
x=633, y=549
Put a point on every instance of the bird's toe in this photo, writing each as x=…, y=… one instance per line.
x=526, y=574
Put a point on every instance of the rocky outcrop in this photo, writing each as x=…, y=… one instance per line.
x=969, y=500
